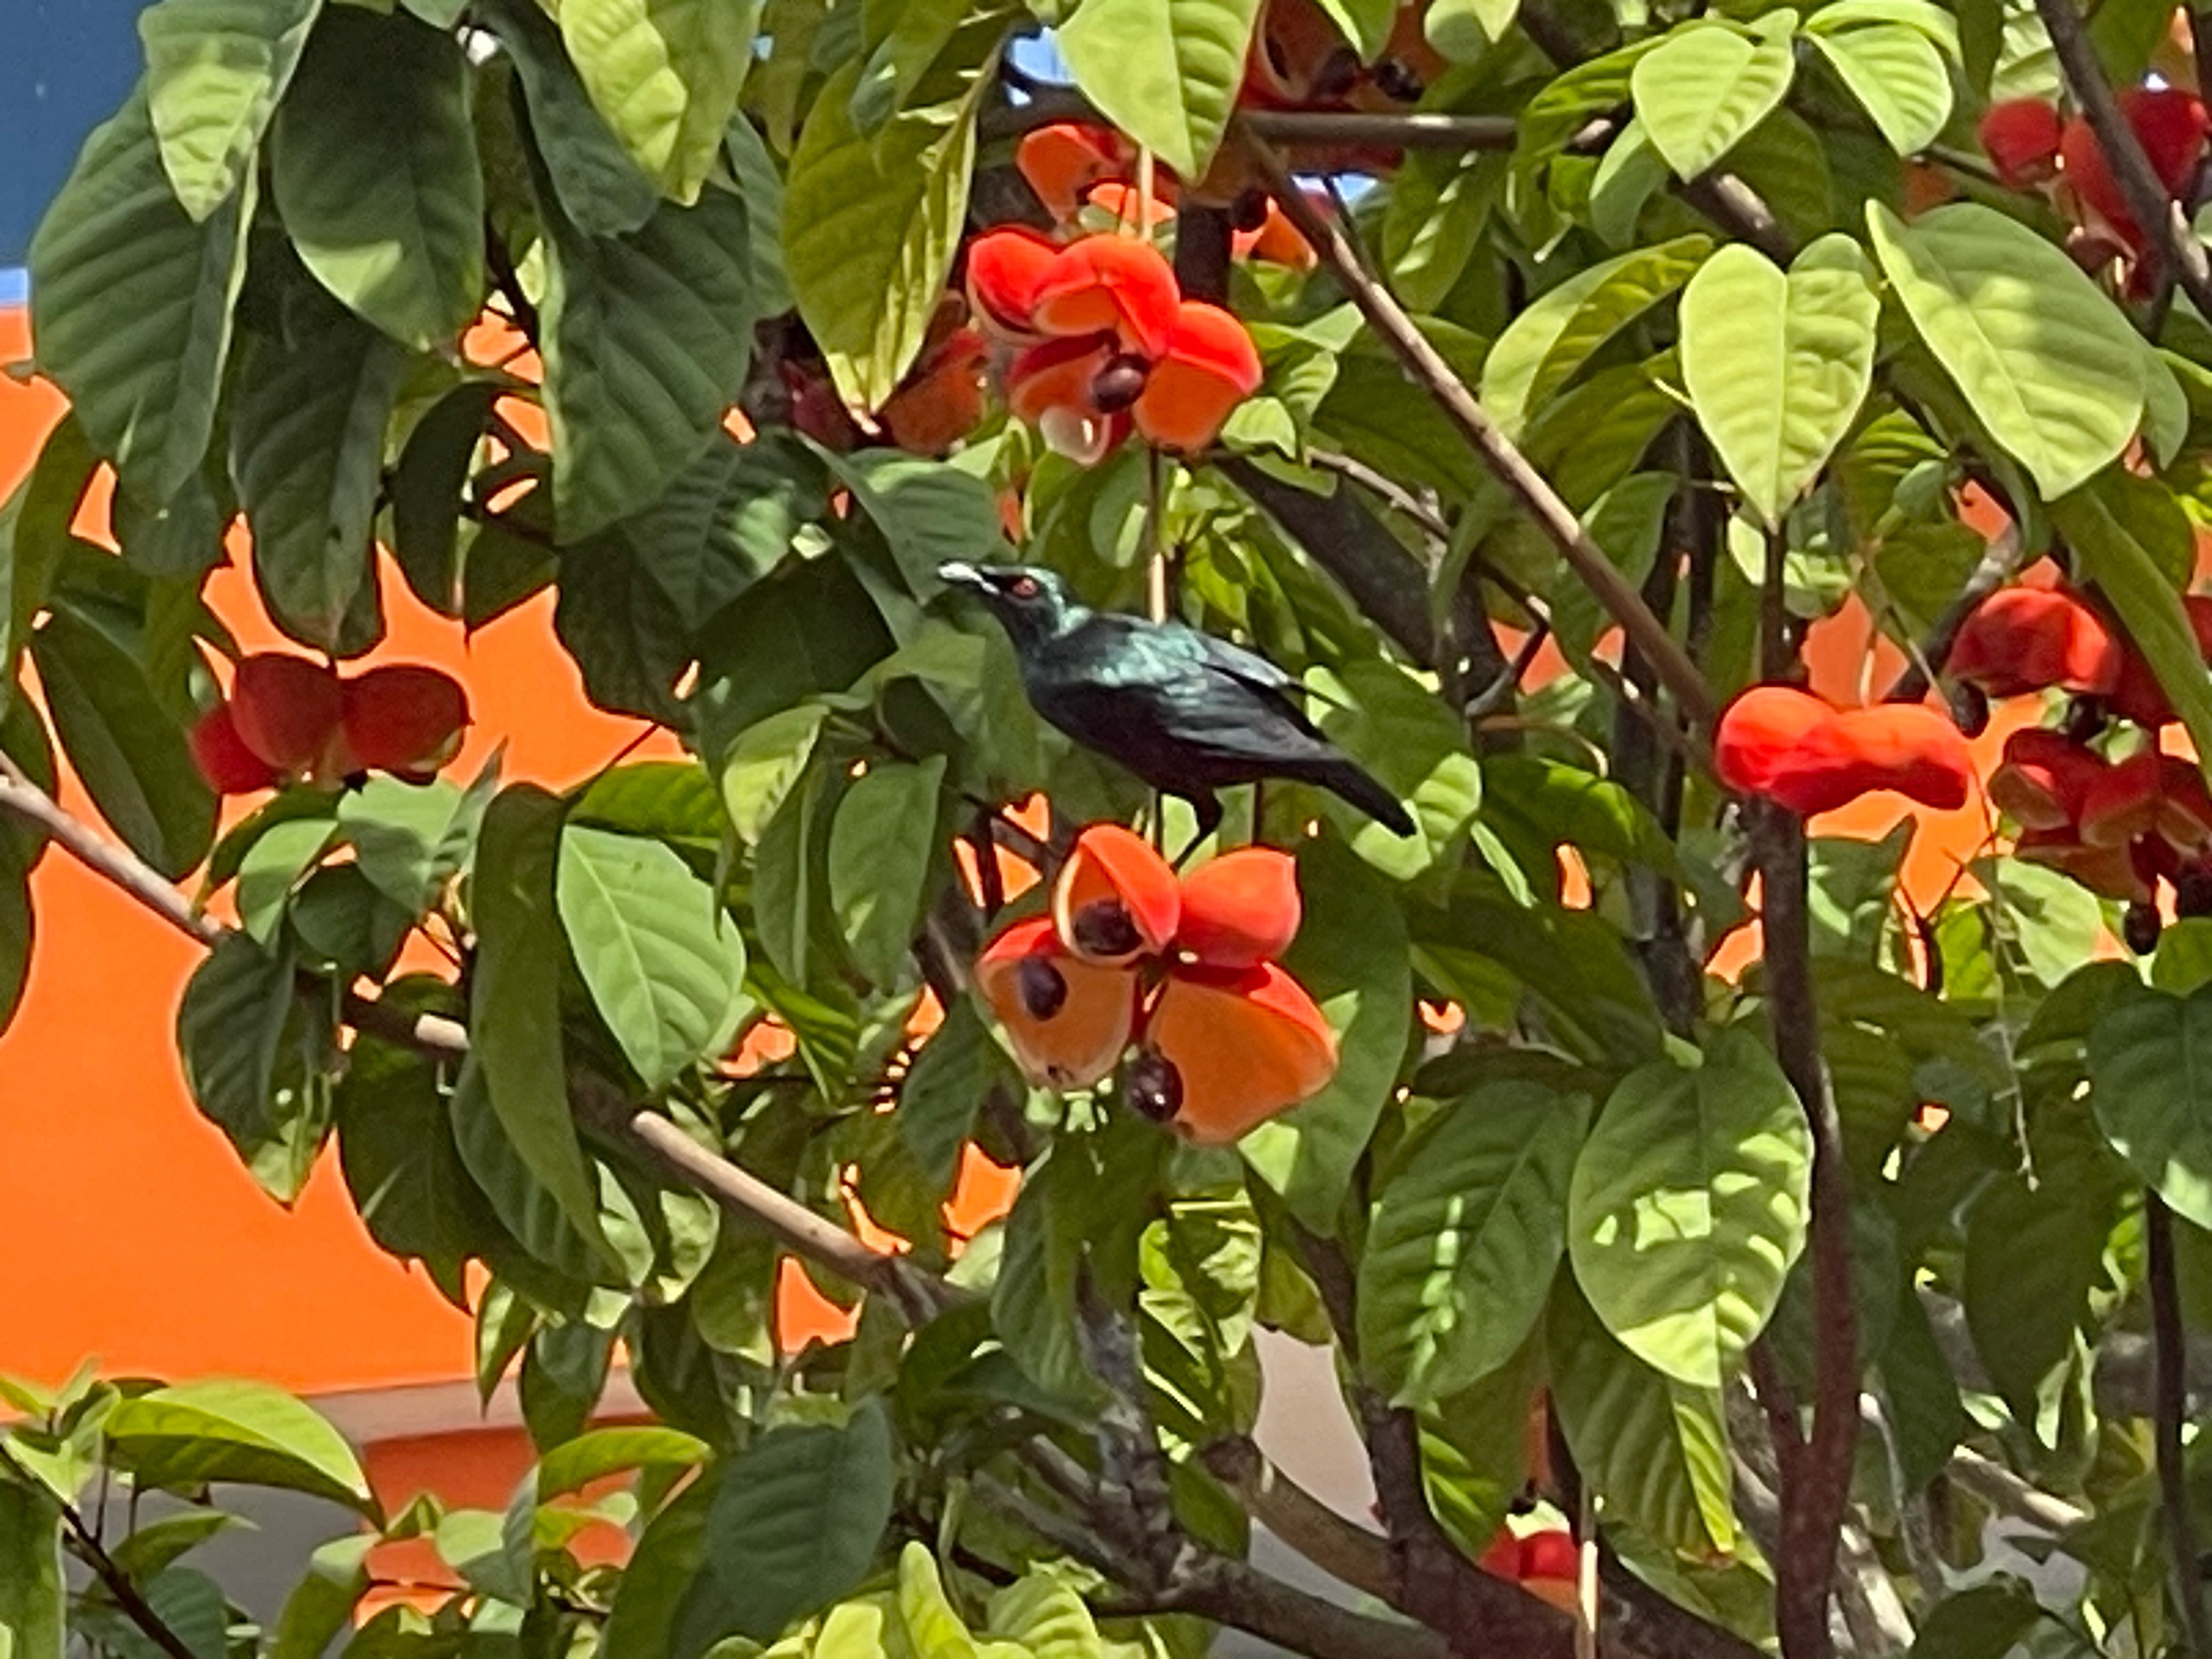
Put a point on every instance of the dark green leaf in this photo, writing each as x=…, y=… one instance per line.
x=1468, y=1230
x=796, y=1519
x=601, y=190
x=2149, y=1098
x=258, y=1062
x=131, y=303
x=883, y=846
x=32, y=1603
x=951, y=1079
x=516, y=1007
x=376, y=171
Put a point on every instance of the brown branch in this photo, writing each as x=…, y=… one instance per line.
x=2172, y=1406
x=1817, y=1476
x=84, y=1541
x=1413, y=130
x=2160, y=217
x=1340, y=1548
x=1529, y=488
x=1197, y=1581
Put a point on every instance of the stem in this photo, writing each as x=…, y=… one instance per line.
x=1543, y=503
x=2161, y=219
x=2170, y=1403
x=1816, y=1480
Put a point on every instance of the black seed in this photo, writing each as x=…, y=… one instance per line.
x=2085, y=719
x=2139, y=927
x=2192, y=889
x=1043, y=988
x=1103, y=929
x=1395, y=81
x=1250, y=210
x=1154, y=1087
x=1970, y=709
x=1338, y=74
x=1119, y=384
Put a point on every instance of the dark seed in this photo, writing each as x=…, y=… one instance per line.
x=1103, y=929
x=2085, y=719
x=2192, y=889
x=1119, y=384
x=1338, y=74
x=1250, y=210
x=2140, y=928
x=1153, y=1086
x=1970, y=709
x=1395, y=81
x=1043, y=988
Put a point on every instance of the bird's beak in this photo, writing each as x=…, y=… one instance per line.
x=958, y=573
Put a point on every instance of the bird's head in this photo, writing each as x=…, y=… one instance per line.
x=1034, y=604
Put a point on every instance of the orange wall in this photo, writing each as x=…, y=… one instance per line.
x=128, y=1229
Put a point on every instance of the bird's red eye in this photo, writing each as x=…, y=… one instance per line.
x=1023, y=588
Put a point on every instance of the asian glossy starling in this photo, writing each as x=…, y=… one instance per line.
x=1187, y=713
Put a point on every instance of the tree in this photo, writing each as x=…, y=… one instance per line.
x=1657, y=339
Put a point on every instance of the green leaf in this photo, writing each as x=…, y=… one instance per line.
x=601, y=190
x=2105, y=523
x=1546, y=345
x=18, y=933
x=2143, y=1055
x=214, y=69
x=2033, y=1257
x=1467, y=1232
x=35, y=533
x=410, y=839
x=726, y=520
x=322, y=1603
x=928, y=511
x=2049, y=365
x=663, y=962
x=602, y=1452
x=665, y=75
x=255, y=1062
x=156, y=1544
x=1777, y=366
x=376, y=171
x=123, y=743
x=1654, y=1449
x=1707, y=84
x=870, y=227
x=396, y=1150
x=1352, y=956
x=130, y=304
x=307, y=450
x=1689, y=1205
x=1042, y=1611
x=946, y=1086
x=1399, y=730
x=796, y=1519
x=1166, y=72
x=229, y=1429
x=1898, y=77
x=1462, y=30
x=766, y=764
x=883, y=843
x=32, y=1603
x=647, y=338
x=515, y=1006
x=1988, y=1621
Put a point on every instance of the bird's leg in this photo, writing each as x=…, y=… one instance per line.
x=1207, y=808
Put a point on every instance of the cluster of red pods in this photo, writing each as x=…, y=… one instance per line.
x=2120, y=826
x=1184, y=968
x=290, y=718
x=2032, y=148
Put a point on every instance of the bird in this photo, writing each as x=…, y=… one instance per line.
x=1187, y=713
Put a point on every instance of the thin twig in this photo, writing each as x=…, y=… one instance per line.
x=1414, y=130
x=1534, y=493
x=2173, y=1407
x=2160, y=218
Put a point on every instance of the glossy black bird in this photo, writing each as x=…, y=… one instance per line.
x=1187, y=713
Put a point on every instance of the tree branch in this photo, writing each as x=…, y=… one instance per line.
x=1413, y=130
x=1817, y=1476
x=2172, y=1406
x=2162, y=219
x=1535, y=495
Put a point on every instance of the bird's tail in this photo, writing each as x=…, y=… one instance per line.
x=1342, y=778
